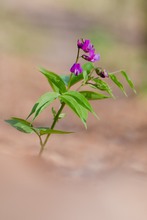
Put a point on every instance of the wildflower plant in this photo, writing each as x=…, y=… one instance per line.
x=92, y=76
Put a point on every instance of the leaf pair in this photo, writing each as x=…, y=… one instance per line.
x=55, y=81
x=76, y=101
x=26, y=127
x=43, y=102
x=90, y=95
x=119, y=84
x=101, y=85
x=78, y=104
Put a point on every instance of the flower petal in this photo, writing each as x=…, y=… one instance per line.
x=76, y=69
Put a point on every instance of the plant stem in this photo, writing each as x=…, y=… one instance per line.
x=80, y=87
x=78, y=53
x=42, y=144
x=118, y=71
x=52, y=126
x=69, y=82
x=77, y=58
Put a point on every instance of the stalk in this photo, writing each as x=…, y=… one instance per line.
x=42, y=144
x=78, y=53
x=52, y=127
x=77, y=58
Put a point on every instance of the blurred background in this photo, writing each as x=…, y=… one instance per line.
x=44, y=33
x=47, y=31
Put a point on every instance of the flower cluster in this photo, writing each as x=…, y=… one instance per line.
x=87, y=47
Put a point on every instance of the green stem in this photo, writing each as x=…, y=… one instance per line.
x=118, y=71
x=52, y=127
x=80, y=86
x=69, y=82
x=41, y=144
x=77, y=58
x=78, y=53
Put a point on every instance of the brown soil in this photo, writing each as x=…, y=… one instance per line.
x=96, y=174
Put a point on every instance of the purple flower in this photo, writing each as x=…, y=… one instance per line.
x=92, y=56
x=76, y=69
x=85, y=45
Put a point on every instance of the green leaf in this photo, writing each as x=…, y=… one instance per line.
x=81, y=100
x=54, y=112
x=43, y=102
x=101, y=85
x=80, y=111
x=128, y=80
x=90, y=95
x=55, y=81
x=88, y=67
x=33, y=110
x=76, y=79
x=46, y=130
x=65, y=78
x=85, y=76
x=117, y=82
x=21, y=125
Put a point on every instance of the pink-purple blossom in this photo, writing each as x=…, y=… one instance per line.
x=92, y=56
x=85, y=45
x=76, y=69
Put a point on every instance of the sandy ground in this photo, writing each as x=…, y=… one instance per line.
x=96, y=174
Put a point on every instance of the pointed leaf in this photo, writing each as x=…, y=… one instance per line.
x=76, y=79
x=90, y=95
x=81, y=100
x=46, y=130
x=55, y=80
x=117, y=82
x=21, y=124
x=85, y=76
x=101, y=85
x=33, y=109
x=81, y=112
x=128, y=80
x=54, y=112
x=43, y=102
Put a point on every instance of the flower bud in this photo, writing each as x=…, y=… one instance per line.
x=85, y=45
x=101, y=72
